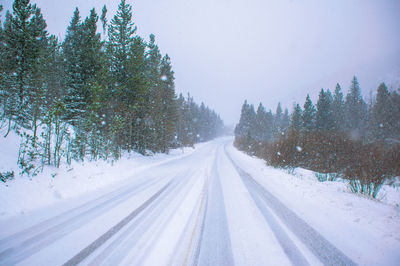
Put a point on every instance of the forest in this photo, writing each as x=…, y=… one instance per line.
x=93, y=95
x=339, y=137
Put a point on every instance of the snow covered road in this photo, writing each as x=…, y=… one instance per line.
x=205, y=208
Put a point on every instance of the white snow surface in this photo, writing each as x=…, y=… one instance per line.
x=168, y=231
x=24, y=194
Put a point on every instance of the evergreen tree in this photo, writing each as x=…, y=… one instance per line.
x=382, y=113
x=285, y=121
x=154, y=95
x=135, y=96
x=103, y=18
x=278, y=126
x=72, y=50
x=356, y=109
x=120, y=39
x=338, y=109
x=168, y=104
x=324, y=117
x=25, y=41
x=246, y=122
x=308, y=115
x=395, y=118
x=259, y=126
x=119, y=46
x=296, y=122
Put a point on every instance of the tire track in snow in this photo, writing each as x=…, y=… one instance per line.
x=215, y=244
x=115, y=229
x=147, y=225
x=326, y=252
x=188, y=247
x=21, y=245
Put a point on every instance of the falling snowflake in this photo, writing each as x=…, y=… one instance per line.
x=164, y=78
x=298, y=148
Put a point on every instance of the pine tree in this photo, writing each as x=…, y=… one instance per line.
x=395, y=119
x=154, y=95
x=103, y=18
x=120, y=39
x=135, y=100
x=324, y=117
x=168, y=103
x=247, y=117
x=285, y=121
x=308, y=115
x=338, y=109
x=278, y=127
x=296, y=121
x=25, y=41
x=382, y=113
x=72, y=51
x=259, y=126
x=356, y=109
x=268, y=126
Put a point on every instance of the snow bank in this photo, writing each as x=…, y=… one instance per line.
x=367, y=230
x=24, y=194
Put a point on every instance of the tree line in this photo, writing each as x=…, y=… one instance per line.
x=340, y=136
x=93, y=94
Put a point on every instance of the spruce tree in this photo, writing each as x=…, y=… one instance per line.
x=247, y=117
x=278, y=117
x=121, y=32
x=121, y=38
x=154, y=95
x=356, y=110
x=324, y=117
x=25, y=41
x=168, y=103
x=73, y=54
x=382, y=113
x=308, y=115
x=338, y=109
x=296, y=121
x=103, y=18
x=260, y=124
x=285, y=121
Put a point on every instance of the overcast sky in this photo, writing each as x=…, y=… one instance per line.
x=226, y=51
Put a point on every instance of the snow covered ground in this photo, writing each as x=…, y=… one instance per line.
x=53, y=185
x=211, y=205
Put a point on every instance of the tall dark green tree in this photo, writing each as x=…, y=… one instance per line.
x=121, y=38
x=25, y=41
x=382, y=113
x=338, y=109
x=168, y=104
x=278, y=119
x=247, y=117
x=260, y=123
x=103, y=18
x=324, y=116
x=308, y=115
x=154, y=94
x=297, y=121
x=356, y=109
x=121, y=33
x=73, y=54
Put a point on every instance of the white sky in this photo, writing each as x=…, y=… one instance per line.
x=226, y=51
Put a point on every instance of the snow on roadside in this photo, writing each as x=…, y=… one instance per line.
x=366, y=230
x=24, y=194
